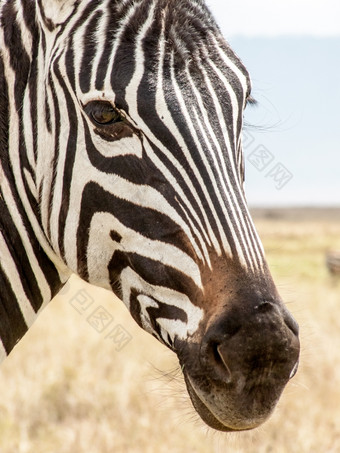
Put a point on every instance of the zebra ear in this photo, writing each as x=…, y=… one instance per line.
x=55, y=12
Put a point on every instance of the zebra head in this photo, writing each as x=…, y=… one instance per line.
x=140, y=176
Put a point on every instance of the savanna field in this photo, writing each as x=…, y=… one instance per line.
x=87, y=379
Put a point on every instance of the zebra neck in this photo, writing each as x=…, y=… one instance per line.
x=30, y=273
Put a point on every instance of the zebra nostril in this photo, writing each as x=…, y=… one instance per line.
x=216, y=359
x=264, y=307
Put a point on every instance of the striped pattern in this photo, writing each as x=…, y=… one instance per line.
x=142, y=207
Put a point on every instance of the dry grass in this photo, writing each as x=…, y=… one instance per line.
x=65, y=387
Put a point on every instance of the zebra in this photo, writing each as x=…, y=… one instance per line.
x=121, y=161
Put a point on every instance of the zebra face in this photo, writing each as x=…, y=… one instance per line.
x=148, y=100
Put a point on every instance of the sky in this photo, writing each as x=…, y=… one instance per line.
x=277, y=17
x=292, y=146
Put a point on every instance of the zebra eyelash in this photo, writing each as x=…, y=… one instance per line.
x=251, y=101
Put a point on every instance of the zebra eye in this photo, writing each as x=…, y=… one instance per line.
x=102, y=113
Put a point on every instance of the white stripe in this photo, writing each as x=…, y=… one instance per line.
x=27, y=130
x=78, y=45
x=31, y=183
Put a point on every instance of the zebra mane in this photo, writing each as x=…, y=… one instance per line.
x=187, y=26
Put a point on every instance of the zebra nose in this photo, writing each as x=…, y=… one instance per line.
x=266, y=342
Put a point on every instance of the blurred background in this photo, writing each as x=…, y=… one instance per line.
x=86, y=378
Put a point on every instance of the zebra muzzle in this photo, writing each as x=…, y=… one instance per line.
x=240, y=369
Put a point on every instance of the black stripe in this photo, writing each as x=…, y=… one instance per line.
x=22, y=262
x=29, y=15
x=12, y=323
x=154, y=273
x=4, y=111
x=89, y=51
x=19, y=59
